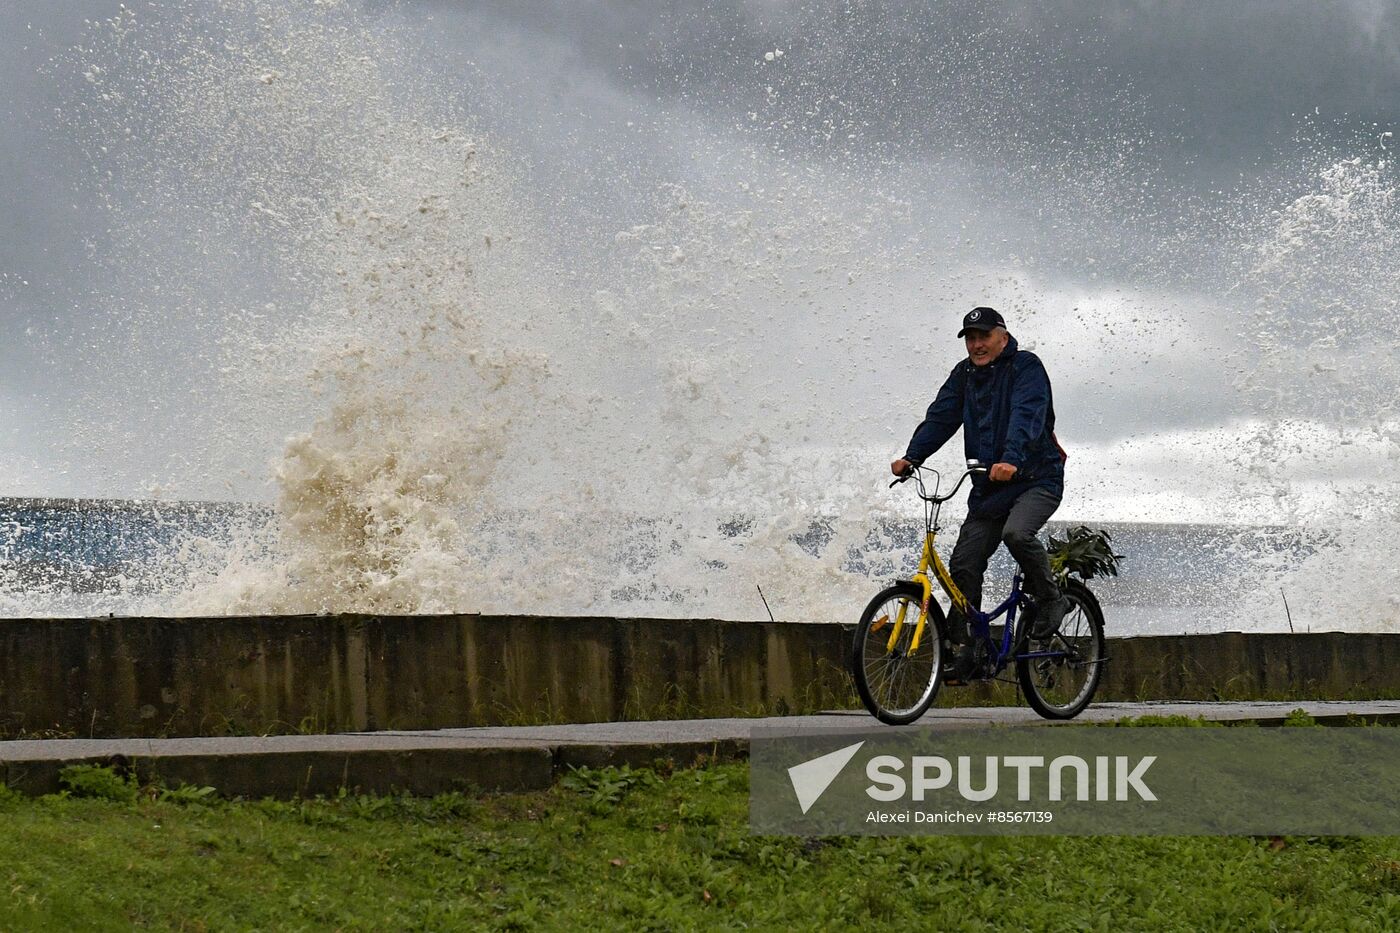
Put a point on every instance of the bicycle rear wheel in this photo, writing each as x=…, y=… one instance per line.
x=1061, y=684
x=897, y=685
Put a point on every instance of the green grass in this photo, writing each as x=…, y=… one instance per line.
x=631, y=849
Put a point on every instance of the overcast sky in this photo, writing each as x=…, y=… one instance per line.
x=1098, y=168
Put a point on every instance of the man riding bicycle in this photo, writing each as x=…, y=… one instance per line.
x=1000, y=397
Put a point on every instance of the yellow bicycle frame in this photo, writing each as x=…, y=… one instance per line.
x=930, y=559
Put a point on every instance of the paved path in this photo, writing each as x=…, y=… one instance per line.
x=528, y=757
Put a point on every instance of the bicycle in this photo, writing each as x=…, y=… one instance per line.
x=898, y=665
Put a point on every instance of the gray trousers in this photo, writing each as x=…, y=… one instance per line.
x=978, y=540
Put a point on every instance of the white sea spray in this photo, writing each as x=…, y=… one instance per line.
x=1322, y=308
x=476, y=419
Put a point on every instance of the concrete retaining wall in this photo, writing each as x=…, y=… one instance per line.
x=1235, y=666
x=230, y=676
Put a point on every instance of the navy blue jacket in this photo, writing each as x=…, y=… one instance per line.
x=1007, y=416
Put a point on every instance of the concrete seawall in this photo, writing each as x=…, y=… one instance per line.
x=229, y=676
x=142, y=677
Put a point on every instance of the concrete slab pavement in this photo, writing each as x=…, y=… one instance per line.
x=530, y=757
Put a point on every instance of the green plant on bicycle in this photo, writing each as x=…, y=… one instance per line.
x=898, y=654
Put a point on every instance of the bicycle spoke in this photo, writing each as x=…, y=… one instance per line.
x=884, y=669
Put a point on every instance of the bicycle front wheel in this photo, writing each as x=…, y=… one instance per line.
x=1061, y=682
x=898, y=682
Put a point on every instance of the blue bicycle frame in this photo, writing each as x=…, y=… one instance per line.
x=981, y=623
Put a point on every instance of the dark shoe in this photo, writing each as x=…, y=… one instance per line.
x=957, y=631
x=1048, y=618
x=961, y=664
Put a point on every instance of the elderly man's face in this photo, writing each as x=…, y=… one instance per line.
x=985, y=346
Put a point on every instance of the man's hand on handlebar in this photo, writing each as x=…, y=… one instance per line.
x=1001, y=473
x=901, y=467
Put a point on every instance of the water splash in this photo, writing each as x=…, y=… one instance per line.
x=498, y=418
x=1323, y=299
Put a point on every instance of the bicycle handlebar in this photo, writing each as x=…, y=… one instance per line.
x=938, y=499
